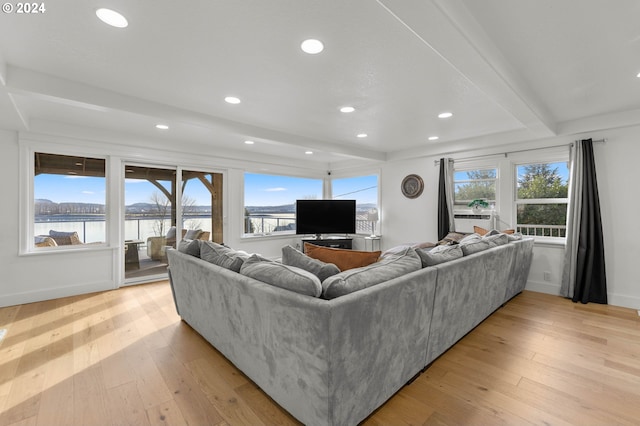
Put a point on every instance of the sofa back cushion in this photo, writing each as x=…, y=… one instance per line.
x=473, y=244
x=439, y=254
x=390, y=267
x=281, y=275
x=344, y=259
x=322, y=270
x=222, y=256
x=496, y=240
x=190, y=247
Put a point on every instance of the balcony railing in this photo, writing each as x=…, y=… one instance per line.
x=543, y=230
x=269, y=224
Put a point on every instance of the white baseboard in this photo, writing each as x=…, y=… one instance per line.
x=543, y=287
x=54, y=293
x=623, y=301
x=614, y=299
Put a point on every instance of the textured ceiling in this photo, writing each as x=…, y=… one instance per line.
x=509, y=71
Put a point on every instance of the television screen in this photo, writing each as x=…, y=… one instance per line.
x=325, y=216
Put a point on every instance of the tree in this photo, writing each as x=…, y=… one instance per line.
x=483, y=186
x=540, y=181
x=162, y=207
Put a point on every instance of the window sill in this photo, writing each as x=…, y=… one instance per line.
x=554, y=242
x=66, y=249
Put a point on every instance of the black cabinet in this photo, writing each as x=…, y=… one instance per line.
x=343, y=243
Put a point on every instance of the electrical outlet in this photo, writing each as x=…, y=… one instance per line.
x=547, y=276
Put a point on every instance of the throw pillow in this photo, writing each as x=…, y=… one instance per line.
x=191, y=247
x=222, y=256
x=481, y=231
x=281, y=275
x=344, y=259
x=322, y=270
x=192, y=234
x=452, y=237
x=390, y=267
x=401, y=248
x=496, y=240
x=516, y=236
x=473, y=245
x=439, y=254
x=171, y=233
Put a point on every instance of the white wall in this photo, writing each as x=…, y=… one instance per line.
x=37, y=276
x=405, y=220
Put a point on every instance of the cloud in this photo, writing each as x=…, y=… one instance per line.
x=88, y=192
x=276, y=189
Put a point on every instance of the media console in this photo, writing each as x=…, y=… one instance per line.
x=343, y=243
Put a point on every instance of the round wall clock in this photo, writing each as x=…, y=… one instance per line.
x=412, y=186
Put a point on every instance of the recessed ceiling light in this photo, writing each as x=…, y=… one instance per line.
x=433, y=138
x=232, y=100
x=308, y=152
x=111, y=17
x=445, y=115
x=347, y=109
x=249, y=142
x=361, y=135
x=312, y=46
x=162, y=127
x=638, y=75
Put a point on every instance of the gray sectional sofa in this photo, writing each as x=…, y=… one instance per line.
x=333, y=362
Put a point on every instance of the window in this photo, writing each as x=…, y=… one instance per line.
x=475, y=184
x=363, y=189
x=270, y=201
x=541, y=198
x=69, y=200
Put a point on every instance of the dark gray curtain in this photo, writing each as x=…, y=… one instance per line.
x=443, y=210
x=584, y=276
x=591, y=279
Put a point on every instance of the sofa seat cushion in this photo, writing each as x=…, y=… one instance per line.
x=322, y=270
x=281, y=275
x=222, y=256
x=344, y=259
x=439, y=254
x=388, y=268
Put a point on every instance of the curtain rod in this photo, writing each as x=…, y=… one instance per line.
x=506, y=154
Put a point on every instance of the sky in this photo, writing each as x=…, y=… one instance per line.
x=260, y=190
x=562, y=168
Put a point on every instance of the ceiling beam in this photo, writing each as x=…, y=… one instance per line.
x=449, y=29
x=57, y=90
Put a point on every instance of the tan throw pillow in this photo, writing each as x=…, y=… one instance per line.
x=343, y=258
x=481, y=231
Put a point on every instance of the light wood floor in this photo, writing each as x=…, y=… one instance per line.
x=124, y=358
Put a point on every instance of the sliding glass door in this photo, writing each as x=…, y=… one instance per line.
x=202, y=204
x=150, y=220
x=154, y=223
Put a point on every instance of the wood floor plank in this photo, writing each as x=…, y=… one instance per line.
x=125, y=357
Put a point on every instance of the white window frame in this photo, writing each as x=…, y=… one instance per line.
x=287, y=233
x=27, y=202
x=538, y=158
x=466, y=166
x=360, y=173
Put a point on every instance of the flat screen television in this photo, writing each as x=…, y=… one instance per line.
x=325, y=217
